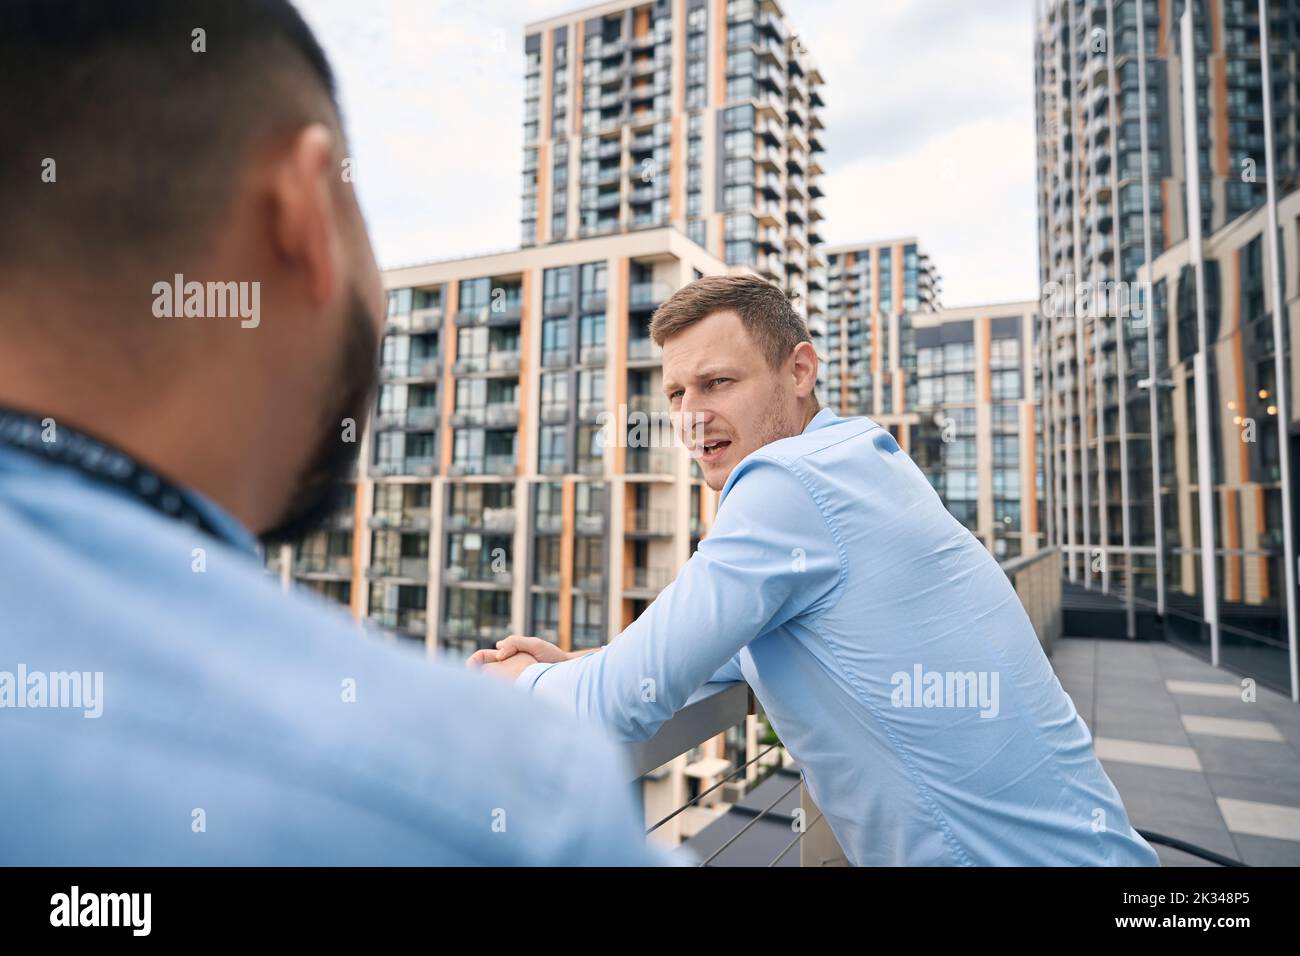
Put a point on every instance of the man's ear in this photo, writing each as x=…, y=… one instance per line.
x=304, y=226
x=805, y=369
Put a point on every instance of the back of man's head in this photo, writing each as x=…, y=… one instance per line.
x=126, y=122
x=160, y=150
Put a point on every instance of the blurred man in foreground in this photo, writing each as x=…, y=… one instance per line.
x=190, y=315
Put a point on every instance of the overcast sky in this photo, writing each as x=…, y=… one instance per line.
x=929, y=126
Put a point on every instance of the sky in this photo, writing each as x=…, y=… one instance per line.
x=929, y=126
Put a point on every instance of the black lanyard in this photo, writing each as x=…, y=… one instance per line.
x=98, y=460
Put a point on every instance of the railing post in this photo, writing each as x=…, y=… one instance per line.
x=818, y=846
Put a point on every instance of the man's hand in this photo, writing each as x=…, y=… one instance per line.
x=540, y=650
x=507, y=670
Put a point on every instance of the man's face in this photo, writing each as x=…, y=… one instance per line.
x=725, y=399
x=345, y=395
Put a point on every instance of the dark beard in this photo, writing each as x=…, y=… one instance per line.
x=323, y=485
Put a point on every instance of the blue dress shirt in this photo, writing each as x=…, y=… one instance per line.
x=890, y=653
x=226, y=734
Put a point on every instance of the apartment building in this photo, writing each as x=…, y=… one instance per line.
x=703, y=115
x=1243, y=437
x=874, y=291
x=519, y=474
x=979, y=437
x=1112, y=184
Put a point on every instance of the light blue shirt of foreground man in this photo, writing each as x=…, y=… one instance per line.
x=233, y=724
x=237, y=725
x=835, y=583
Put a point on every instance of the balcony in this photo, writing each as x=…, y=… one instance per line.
x=410, y=621
x=333, y=565
x=469, y=363
x=424, y=417
x=412, y=520
x=425, y=320
x=502, y=312
x=556, y=358
x=503, y=361
x=409, y=569
x=644, y=350
x=480, y=574
x=489, y=519
x=468, y=417
x=592, y=355
x=651, y=521
x=419, y=466
x=647, y=579
x=648, y=403
x=426, y=368
x=649, y=461
x=488, y=630
x=593, y=301
x=555, y=413
x=500, y=464
x=589, y=522
x=648, y=295
x=502, y=415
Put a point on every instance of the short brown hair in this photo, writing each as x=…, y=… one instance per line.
x=764, y=309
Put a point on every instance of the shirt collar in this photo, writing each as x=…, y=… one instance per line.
x=236, y=535
x=820, y=420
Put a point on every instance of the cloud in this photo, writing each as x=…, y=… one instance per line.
x=929, y=126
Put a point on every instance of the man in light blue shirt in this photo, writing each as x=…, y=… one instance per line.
x=190, y=318
x=887, y=647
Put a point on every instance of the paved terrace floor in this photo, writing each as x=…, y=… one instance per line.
x=1190, y=758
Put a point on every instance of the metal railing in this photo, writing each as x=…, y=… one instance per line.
x=710, y=711
x=1037, y=580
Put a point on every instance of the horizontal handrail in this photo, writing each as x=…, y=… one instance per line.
x=712, y=709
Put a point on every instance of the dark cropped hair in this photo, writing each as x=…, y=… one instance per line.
x=125, y=129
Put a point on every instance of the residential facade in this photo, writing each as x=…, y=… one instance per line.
x=1109, y=91
x=874, y=289
x=978, y=434
x=703, y=115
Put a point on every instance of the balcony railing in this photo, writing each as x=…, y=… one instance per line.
x=649, y=461
x=414, y=569
x=324, y=564
x=500, y=465
x=643, y=349
x=643, y=294
x=502, y=414
x=414, y=519
x=413, y=621
x=503, y=361
x=490, y=630
x=647, y=579
x=479, y=574
x=652, y=521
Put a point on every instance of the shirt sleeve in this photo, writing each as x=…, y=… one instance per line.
x=729, y=671
x=771, y=555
